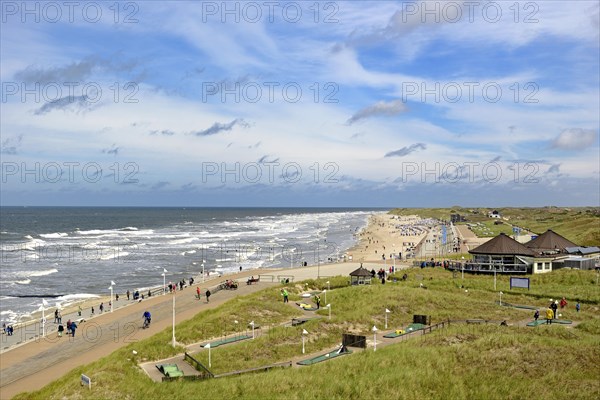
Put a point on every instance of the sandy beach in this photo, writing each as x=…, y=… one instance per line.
x=390, y=236
x=37, y=362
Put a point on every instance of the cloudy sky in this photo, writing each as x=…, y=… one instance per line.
x=347, y=103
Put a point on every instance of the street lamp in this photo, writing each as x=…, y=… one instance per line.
x=207, y=346
x=304, y=332
x=44, y=305
x=173, y=322
x=329, y=307
x=203, y=261
x=164, y=275
x=501, y=297
x=327, y=285
x=112, y=283
x=325, y=295
x=386, y=314
x=252, y=325
x=375, y=337
x=463, y=267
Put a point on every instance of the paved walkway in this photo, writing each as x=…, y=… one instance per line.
x=39, y=361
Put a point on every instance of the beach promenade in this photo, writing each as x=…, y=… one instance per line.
x=37, y=362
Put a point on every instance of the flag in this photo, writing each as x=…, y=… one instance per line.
x=165, y=270
x=44, y=303
x=207, y=346
x=388, y=311
x=304, y=332
x=112, y=283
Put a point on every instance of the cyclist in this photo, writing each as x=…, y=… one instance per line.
x=147, y=318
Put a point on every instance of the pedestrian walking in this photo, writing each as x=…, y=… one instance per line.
x=554, y=307
x=207, y=294
x=101, y=308
x=563, y=303
x=198, y=292
x=59, y=317
x=127, y=294
x=79, y=311
x=536, y=315
x=92, y=314
x=60, y=330
x=117, y=297
x=318, y=301
x=284, y=293
x=549, y=315
x=73, y=328
x=577, y=306
x=56, y=316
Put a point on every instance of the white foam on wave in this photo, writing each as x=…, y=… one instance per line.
x=114, y=254
x=77, y=296
x=184, y=241
x=23, y=282
x=55, y=235
x=27, y=274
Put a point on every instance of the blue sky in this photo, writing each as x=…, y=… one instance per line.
x=349, y=103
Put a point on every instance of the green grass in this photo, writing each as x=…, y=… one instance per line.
x=463, y=361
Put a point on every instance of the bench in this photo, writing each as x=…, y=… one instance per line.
x=252, y=280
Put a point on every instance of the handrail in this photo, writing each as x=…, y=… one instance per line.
x=198, y=365
x=255, y=369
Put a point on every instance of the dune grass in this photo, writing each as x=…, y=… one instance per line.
x=462, y=361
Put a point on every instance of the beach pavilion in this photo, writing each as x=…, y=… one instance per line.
x=360, y=276
x=547, y=252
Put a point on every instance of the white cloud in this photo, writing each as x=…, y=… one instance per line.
x=575, y=139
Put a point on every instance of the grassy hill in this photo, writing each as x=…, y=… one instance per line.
x=462, y=361
x=581, y=225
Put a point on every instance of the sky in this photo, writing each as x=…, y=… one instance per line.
x=313, y=104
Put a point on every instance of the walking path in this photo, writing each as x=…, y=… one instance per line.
x=35, y=363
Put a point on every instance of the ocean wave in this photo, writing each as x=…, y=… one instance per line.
x=77, y=296
x=129, y=228
x=184, y=241
x=55, y=235
x=40, y=273
x=23, y=282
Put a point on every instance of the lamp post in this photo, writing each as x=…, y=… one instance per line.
x=374, y=337
x=328, y=288
x=112, y=283
x=173, y=342
x=252, y=325
x=44, y=305
x=463, y=268
x=386, y=317
x=208, y=347
x=500, y=297
x=203, y=261
x=164, y=275
x=304, y=333
x=329, y=307
x=494, y=277
x=325, y=295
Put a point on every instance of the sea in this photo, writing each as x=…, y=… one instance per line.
x=69, y=254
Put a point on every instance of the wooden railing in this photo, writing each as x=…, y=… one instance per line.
x=204, y=372
x=256, y=369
